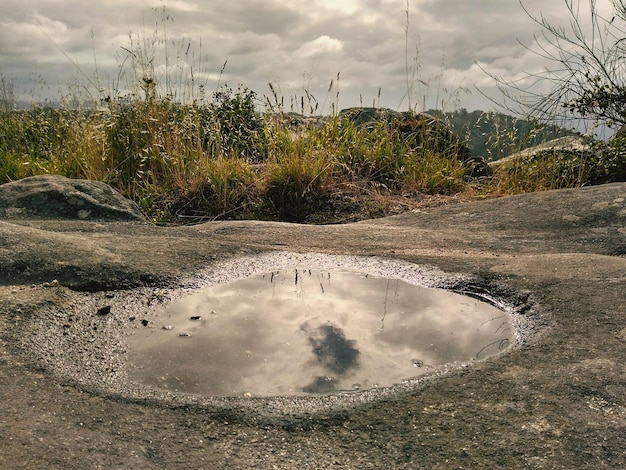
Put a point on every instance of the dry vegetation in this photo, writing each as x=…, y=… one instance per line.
x=201, y=156
x=223, y=159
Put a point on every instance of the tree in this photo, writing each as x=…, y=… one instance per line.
x=586, y=73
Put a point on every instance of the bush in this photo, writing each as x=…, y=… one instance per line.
x=564, y=168
x=235, y=124
x=225, y=188
x=611, y=162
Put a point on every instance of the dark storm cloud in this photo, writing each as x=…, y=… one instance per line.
x=333, y=350
x=295, y=43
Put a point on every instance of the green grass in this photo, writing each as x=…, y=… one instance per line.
x=186, y=155
x=602, y=162
x=222, y=159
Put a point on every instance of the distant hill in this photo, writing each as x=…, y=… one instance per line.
x=495, y=135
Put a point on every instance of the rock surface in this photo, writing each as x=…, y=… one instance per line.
x=560, y=144
x=58, y=197
x=559, y=401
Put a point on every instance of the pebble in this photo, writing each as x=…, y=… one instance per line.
x=104, y=311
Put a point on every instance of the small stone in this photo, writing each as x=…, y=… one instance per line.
x=104, y=311
x=167, y=327
x=83, y=214
x=145, y=322
x=184, y=334
x=195, y=317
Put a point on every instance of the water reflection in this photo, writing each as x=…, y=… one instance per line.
x=335, y=353
x=333, y=350
x=301, y=331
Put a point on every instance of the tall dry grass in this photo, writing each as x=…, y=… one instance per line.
x=186, y=154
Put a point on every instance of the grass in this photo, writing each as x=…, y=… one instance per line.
x=224, y=159
x=601, y=162
x=186, y=155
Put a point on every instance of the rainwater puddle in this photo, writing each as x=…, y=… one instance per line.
x=304, y=332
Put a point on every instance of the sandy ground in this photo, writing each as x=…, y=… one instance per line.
x=556, y=401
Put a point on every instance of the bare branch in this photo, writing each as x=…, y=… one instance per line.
x=586, y=72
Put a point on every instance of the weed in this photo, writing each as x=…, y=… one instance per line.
x=599, y=163
x=217, y=155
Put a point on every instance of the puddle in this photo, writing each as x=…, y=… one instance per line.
x=305, y=332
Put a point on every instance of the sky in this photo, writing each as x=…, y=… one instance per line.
x=442, y=57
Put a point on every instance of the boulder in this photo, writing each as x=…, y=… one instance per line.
x=569, y=143
x=54, y=196
x=423, y=130
x=369, y=116
x=554, y=260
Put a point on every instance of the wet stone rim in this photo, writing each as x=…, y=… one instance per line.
x=82, y=337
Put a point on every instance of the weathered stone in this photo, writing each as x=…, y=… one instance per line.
x=422, y=131
x=569, y=143
x=558, y=401
x=370, y=116
x=58, y=197
x=569, y=160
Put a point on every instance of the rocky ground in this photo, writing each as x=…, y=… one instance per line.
x=556, y=401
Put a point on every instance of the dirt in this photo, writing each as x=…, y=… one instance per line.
x=558, y=400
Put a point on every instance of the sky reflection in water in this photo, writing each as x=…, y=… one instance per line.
x=300, y=331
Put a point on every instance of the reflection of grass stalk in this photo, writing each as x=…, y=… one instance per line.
x=502, y=344
x=382, y=320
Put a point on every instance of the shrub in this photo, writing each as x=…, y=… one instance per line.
x=224, y=187
x=235, y=124
x=564, y=168
x=296, y=168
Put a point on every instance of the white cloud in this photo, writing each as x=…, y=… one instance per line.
x=323, y=45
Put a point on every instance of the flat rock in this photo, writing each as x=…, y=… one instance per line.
x=569, y=143
x=557, y=401
x=58, y=197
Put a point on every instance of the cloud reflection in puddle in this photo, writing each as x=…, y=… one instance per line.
x=302, y=332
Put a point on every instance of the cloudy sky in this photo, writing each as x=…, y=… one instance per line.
x=53, y=48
